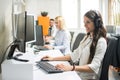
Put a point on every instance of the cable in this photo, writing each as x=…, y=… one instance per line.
x=8, y=46
x=6, y=50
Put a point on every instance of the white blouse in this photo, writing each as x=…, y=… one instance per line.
x=81, y=55
x=62, y=41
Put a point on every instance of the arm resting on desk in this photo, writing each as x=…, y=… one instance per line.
x=61, y=58
x=84, y=68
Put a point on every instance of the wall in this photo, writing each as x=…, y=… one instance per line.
x=33, y=7
x=5, y=26
x=53, y=7
x=105, y=12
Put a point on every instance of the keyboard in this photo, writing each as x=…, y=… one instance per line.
x=49, y=68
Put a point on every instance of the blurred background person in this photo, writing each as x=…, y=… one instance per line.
x=52, y=28
x=52, y=31
x=62, y=37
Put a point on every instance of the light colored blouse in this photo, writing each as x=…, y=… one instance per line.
x=62, y=41
x=81, y=55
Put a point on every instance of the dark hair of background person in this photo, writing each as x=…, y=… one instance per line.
x=52, y=20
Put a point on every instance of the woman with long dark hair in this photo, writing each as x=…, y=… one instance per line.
x=91, y=50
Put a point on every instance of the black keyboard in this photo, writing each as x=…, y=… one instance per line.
x=48, y=67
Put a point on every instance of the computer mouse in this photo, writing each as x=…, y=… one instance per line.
x=44, y=60
x=47, y=42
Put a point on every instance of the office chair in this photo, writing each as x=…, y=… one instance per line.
x=111, y=49
x=77, y=41
x=118, y=52
x=71, y=33
x=116, y=57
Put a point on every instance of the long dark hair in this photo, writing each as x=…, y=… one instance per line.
x=98, y=32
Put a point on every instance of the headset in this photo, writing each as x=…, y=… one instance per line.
x=97, y=21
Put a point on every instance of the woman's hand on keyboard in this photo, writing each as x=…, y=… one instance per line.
x=64, y=67
x=47, y=58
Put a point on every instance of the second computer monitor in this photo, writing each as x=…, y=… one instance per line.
x=19, y=35
x=30, y=28
x=39, y=35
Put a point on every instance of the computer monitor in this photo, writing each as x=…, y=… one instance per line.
x=30, y=28
x=19, y=34
x=39, y=36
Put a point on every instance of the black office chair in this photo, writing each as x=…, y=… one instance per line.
x=111, y=49
x=77, y=41
x=118, y=52
x=116, y=57
x=71, y=33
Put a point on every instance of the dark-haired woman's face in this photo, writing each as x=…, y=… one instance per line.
x=89, y=25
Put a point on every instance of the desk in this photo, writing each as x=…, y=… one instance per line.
x=39, y=74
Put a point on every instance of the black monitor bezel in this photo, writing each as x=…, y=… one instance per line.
x=18, y=43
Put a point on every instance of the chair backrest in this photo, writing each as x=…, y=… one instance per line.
x=77, y=41
x=118, y=52
x=116, y=57
x=111, y=49
x=71, y=33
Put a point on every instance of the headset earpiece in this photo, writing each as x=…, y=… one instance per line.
x=98, y=22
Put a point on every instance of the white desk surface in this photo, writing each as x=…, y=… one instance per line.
x=39, y=74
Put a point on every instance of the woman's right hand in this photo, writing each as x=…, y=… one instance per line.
x=47, y=39
x=47, y=58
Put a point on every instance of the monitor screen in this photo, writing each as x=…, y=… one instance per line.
x=39, y=36
x=30, y=28
x=19, y=33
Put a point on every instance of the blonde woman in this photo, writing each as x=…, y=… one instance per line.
x=62, y=38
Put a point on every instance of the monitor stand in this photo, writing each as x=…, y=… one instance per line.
x=11, y=52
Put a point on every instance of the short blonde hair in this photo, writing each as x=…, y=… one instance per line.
x=62, y=22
